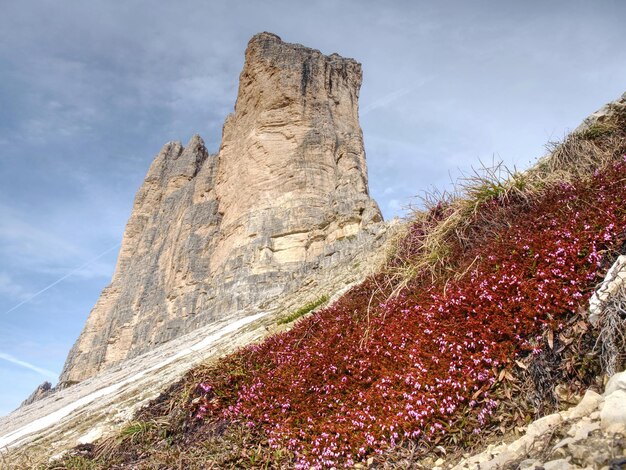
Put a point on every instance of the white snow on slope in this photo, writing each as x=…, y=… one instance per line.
x=12, y=438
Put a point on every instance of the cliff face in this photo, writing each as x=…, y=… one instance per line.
x=214, y=236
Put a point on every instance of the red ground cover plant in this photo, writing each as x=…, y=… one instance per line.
x=368, y=372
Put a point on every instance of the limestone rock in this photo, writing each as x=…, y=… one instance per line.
x=529, y=464
x=613, y=281
x=41, y=391
x=212, y=236
x=613, y=414
x=558, y=464
x=581, y=429
x=543, y=425
x=603, y=114
x=616, y=382
x=578, y=438
x=587, y=405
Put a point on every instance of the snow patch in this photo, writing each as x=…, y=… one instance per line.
x=11, y=438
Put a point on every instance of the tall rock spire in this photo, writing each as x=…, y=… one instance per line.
x=218, y=236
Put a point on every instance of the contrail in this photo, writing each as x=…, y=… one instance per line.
x=63, y=278
x=28, y=365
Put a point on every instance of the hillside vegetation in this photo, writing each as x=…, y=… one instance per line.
x=478, y=315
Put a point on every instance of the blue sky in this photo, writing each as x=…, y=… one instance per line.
x=90, y=91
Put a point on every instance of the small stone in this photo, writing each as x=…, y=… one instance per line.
x=560, y=453
x=618, y=462
x=521, y=445
x=578, y=452
x=529, y=464
x=545, y=424
x=582, y=428
x=617, y=382
x=613, y=414
x=560, y=464
x=587, y=405
x=598, y=453
x=563, y=443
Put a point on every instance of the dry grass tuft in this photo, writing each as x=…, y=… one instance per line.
x=449, y=222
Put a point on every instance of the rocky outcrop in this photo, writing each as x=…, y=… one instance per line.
x=591, y=435
x=212, y=236
x=614, y=281
x=40, y=392
x=603, y=115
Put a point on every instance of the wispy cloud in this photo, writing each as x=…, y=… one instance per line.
x=27, y=247
x=396, y=206
x=28, y=365
x=22, y=239
x=10, y=288
x=62, y=278
x=386, y=100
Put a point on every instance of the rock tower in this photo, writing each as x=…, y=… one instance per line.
x=214, y=236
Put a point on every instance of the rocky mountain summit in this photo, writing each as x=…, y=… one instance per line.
x=216, y=236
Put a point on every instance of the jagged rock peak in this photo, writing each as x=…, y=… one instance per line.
x=219, y=236
x=270, y=47
x=312, y=70
x=40, y=392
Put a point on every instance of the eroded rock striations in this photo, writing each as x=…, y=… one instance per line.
x=212, y=236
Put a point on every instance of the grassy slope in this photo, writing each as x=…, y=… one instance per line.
x=462, y=336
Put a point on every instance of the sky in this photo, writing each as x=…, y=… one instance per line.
x=90, y=91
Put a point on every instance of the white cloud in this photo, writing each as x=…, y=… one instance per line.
x=26, y=246
x=395, y=206
x=12, y=289
x=21, y=239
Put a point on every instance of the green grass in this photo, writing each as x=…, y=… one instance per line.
x=598, y=131
x=303, y=310
x=136, y=431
